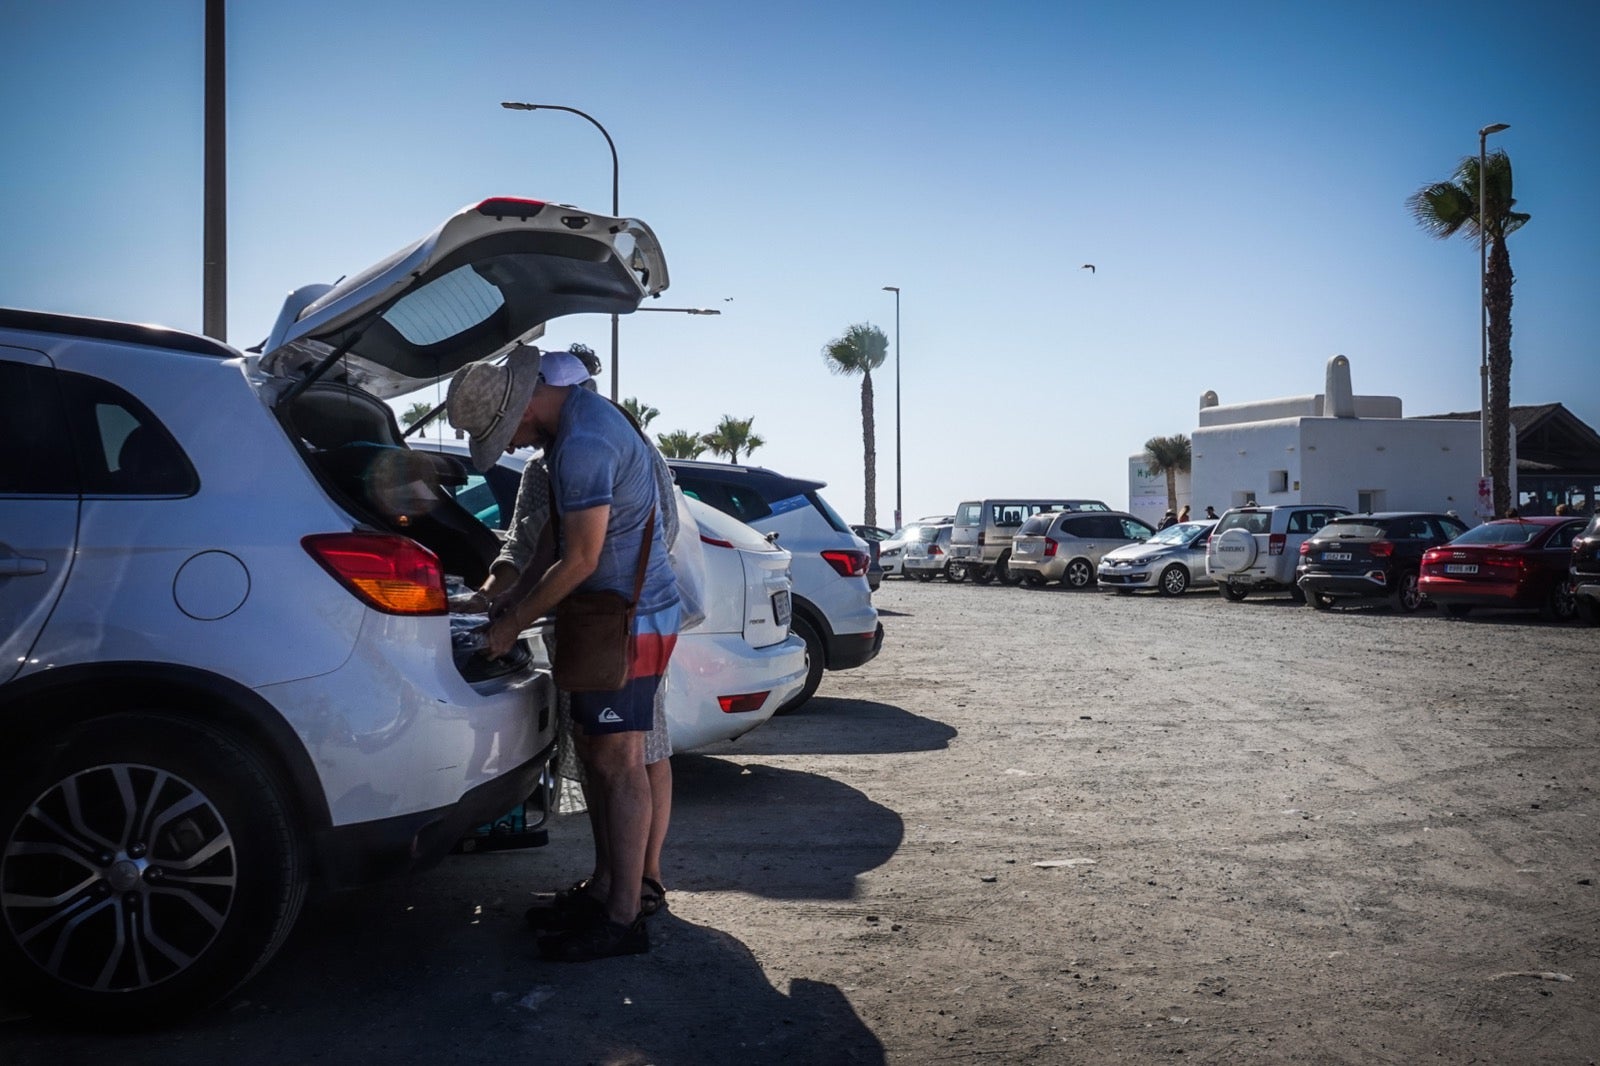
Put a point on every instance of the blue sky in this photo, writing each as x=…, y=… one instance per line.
x=1236, y=171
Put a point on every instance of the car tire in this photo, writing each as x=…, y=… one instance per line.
x=1561, y=605
x=1079, y=574
x=981, y=575
x=1174, y=580
x=1407, y=596
x=1297, y=594
x=1233, y=593
x=955, y=573
x=1319, y=601
x=161, y=924
x=1458, y=610
x=1003, y=571
x=815, y=662
x=1033, y=581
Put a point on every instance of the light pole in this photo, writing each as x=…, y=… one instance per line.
x=512, y=105
x=1483, y=307
x=896, y=290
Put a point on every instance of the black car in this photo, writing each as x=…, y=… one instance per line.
x=1586, y=571
x=1372, y=556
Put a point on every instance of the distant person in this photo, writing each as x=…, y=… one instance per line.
x=1211, y=512
x=1183, y=515
x=1512, y=512
x=1563, y=510
x=1168, y=519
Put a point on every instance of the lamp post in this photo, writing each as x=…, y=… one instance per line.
x=1483, y=306
x=512, y=105
x=896, y=290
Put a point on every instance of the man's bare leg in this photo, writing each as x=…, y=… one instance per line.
x=616, y=761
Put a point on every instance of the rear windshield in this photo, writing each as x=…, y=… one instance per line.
x=1351, y=531
x=925, y=534
x=1250, y=521
x=1036, y=526
x=1501, y=533
x=827, y=512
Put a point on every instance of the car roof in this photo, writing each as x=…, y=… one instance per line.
x=1387, y=515
x=105, y=329
x=758, y=476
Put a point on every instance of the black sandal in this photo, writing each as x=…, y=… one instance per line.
x=568, y=908
x=602, y=939
x=652, y=897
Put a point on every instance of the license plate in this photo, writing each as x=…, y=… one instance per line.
x=1461, y=568
x=781, y=608
x=1336, y=557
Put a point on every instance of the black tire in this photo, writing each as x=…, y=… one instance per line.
x=1588, y=610
x=1033, y=581
x=161, y=925
x=955, y=573
x=1003, y=571
x=1297, y=594
x=981, y=575
x=1233, y=593
x=926, y=575
x=1458, y=610
x=816, y=660
x=1561, y=605
x=1079, y=574
x=1174, y=580
x=1407, y=596
x=1319, y=601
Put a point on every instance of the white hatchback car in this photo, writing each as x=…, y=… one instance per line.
x=227, y=669
x=833, y=610
x=732, y=671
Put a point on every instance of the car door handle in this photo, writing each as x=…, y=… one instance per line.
x=21, y=566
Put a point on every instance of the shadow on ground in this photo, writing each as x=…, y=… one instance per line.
x=828, y=725
x=421, y=972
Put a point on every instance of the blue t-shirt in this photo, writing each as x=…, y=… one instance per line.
x=597, y=459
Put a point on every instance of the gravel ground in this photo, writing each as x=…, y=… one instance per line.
x=1042, y=826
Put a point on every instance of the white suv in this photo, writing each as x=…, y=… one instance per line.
x=1257, y=548
x=833, y=610
x=227, y=670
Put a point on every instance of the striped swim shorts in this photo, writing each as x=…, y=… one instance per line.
x=631, y=709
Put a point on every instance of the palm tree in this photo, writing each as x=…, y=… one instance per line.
x=731, y=437
x=1168, y=455
x=1446, y=208
x=419, y=410
x=861, y=351
x=681, y=444
x=642, y=413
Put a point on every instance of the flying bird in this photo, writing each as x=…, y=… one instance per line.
x=1087, y=266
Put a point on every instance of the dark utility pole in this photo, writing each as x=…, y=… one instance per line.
x=214, y=292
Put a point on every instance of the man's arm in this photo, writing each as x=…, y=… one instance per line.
x=585, y=535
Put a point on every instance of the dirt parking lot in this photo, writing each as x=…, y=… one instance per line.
x=1043, y=826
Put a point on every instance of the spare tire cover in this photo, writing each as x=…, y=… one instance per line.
x=1234, y=551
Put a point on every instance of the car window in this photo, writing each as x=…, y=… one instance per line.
x=1508, y=532
x=1007, y=517
x=1036, y=526
x=122, y=449
x=1234, y=520
x=37, y=449
x=1134, y=530
x=1084, y=526
x=822, y=506
x=969, y=514
x=1308, y=521
x=1449, y=528
x=1563, y=536
x=740, y=501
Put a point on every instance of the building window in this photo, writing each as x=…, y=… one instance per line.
x=1369, y=501
x=1277, y=481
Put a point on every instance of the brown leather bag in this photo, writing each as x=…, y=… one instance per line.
x=594, y=633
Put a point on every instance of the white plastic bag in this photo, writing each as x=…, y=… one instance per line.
x=688, y=564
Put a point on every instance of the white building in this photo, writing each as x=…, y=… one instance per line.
x=1333, y=447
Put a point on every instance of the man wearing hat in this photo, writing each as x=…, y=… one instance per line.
x=603, y=489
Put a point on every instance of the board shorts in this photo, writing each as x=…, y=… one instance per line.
x=631, y=709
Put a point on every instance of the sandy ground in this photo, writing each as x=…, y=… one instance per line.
x=1043, y=826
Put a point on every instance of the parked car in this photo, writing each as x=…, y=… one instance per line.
x=1068, y=545
x=731, y=672
x=833, y=610
x=1256, y=549
x=891, y=553
x=227, y=670
x=927, y=556
x=980, y=543
x=1521, y=563
x=1367, y=556
x=874, y=536
x=1171, y=562
x=1585, y=571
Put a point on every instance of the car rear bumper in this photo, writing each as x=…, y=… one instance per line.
x=1375, y=583
x=707, y=666
x=1479, y=593
x=1050, y=569
x=847, y=651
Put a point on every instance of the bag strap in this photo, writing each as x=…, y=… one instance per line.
x=644, y=555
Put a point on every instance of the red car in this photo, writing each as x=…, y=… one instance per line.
x=1510, y=562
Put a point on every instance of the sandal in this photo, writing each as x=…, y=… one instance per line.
x=602, y=939
x=569, y=908
x=652, y=897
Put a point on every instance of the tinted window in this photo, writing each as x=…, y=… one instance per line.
x=1035, y=526
x=1134, y=530
x=1501, y=533
x=740, y=501
x=1449, y=528
x=1563, y=536
x=122, y=450
x=1085, y=526
x=35, y=453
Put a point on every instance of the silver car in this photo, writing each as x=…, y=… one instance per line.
x=1067, y=546
x=1172, y=561
x=927, y=554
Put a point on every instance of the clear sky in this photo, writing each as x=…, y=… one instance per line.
x=1236, y=172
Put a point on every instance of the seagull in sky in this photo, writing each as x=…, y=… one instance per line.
x=1087, y=266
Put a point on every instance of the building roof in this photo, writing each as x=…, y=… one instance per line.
x=1550, y=438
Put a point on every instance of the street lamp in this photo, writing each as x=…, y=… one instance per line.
x=511, y=105
x=896, y=290
x=1483, y=307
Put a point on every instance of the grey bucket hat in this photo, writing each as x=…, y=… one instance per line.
x=487, y=402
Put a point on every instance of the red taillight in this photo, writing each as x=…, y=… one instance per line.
x=749, y=701
x=1276, y=542
x=1305, y=547
x=714, y=542
x=392, y=574
x=934, y=549
x=1050, y=547
x=981, y=537
x=848, y=563
x=1380, y=549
